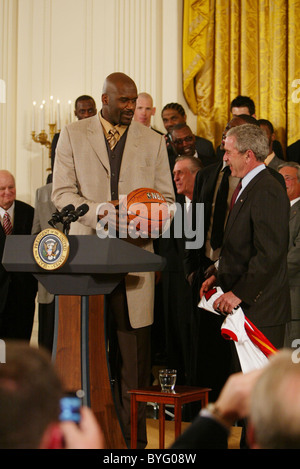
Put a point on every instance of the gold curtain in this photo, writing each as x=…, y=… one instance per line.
x=247, y=47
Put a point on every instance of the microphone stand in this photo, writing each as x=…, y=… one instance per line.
x=66, y=227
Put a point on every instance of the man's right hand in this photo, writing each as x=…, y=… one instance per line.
x=207, y=285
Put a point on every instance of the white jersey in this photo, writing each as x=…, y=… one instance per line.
x=252, y=346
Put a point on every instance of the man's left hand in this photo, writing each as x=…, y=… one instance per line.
x=226, y=303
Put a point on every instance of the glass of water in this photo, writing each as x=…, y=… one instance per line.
x=167, y=379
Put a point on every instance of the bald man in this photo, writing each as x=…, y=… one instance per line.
x=98, y=160
x=17, y=289
x=145, y=110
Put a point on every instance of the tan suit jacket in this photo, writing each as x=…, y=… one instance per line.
x=82, y=175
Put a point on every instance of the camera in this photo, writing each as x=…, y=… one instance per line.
x=70, y=406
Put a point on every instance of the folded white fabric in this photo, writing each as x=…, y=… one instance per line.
x=252, y=346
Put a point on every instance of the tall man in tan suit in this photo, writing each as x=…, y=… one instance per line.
x=90, y=168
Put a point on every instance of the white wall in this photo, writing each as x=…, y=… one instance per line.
x=66, y=48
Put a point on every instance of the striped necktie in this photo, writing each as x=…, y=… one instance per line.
x=7, y=226
x=113, y=138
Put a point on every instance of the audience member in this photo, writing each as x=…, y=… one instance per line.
x=177, y=299
x=145, y=110
x=293, y=152
x=291, y=173
x=252, y=268
x=272, y=160
x=18, y=289
x=30, y=393
x=86, y=170
x=173, y=114
x=242, y=105
x=188, y=144
x=274, y=421
x=85, y=106
x=267, y=397
x=236, y=120
x=245, y=105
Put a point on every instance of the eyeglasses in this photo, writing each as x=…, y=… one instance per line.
x=179, y=141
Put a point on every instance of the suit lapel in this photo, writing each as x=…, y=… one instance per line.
x=130, y=151
x=294, y=210
x=96, y=138
x=18, y=219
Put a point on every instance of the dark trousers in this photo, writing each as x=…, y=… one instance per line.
x=18, y=313
x=46, y=325
x=130, y=361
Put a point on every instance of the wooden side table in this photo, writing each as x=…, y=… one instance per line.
x=182, y=395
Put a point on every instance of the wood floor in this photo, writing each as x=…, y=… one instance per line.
x=152, y=433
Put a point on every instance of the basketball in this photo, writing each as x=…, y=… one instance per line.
x=147, y=210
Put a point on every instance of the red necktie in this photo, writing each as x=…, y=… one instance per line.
x=235, y=194
x=7, y=226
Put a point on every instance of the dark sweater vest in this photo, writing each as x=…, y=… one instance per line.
x=115, y=160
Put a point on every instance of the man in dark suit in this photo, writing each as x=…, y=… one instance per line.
x=17, y=290
x=272, y=160
x=291, y=173
x=293, y=152
x=214, y=187
x=252, y=268
x=173, y=114
x=186, y=143
x=177, y=293
x=85, y=106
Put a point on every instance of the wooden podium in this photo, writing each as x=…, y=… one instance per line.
x=94, y=268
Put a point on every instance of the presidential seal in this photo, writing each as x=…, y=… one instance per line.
x=51, y=249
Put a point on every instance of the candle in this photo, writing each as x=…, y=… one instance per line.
x=70, y=112
x=51, y=116
x=42, y=117
x=33, y=117
x=58, y=115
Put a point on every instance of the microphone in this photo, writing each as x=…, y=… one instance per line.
x=59, y=216
x=75, y=214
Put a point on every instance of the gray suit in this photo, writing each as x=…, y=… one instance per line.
x=293, y=327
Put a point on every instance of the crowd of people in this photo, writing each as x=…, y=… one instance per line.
x=251, y=236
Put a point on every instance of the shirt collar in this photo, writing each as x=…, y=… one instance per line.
x=294, y=201
x=249, y=176
x=269, y=158
x=10, y=211
x=107, y=126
